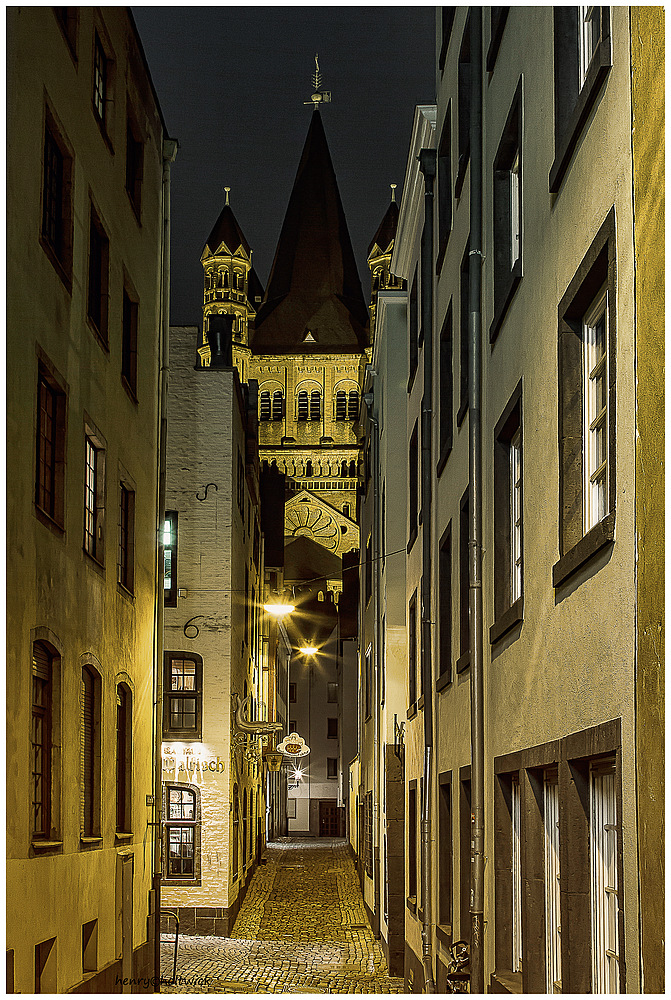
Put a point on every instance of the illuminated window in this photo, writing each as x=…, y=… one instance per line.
x=170, y=559
x=94, y=499
x=181, y=832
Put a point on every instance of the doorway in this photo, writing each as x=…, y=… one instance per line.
x=329, y=825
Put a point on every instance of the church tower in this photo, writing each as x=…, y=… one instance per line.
x=379, y=257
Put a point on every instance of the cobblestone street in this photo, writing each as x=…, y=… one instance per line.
x=301, y=929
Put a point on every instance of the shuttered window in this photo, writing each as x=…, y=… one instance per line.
x=278, y=404
x=87, y=752
x=41, y=740
x=353, y=404
x=264, y=405
x=315, y=404
x=303, y=405
x=603, y=855
x=341, y=405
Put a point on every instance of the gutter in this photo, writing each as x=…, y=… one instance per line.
x=427, y=165
x=169, y=154
x=475, y=516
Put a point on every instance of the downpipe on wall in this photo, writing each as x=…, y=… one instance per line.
x=475, y=517
x=376, y=555
x=427, y=164
x=169, y=154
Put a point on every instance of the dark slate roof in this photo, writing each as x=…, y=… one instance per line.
x=386, y=232
x=314, y=283
x=254, y=288
x=226, y=230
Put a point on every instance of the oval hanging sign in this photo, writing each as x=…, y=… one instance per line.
x=294, y=745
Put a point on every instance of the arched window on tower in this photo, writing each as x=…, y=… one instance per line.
x=346, y=510
x=315, y=405
x=303, y=405
x=264, y=405
x=343, y=469
x=225, y=273
x=353, y=404
x=308, y=468
x=219, y=279
x=352, y=468
x=278, y=405
x=341, y=405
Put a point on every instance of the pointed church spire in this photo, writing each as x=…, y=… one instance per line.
x=314, y=283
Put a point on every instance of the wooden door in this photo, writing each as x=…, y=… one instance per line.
x=328, y=818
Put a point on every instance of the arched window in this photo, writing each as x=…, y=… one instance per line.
x=308, y=468
x=181, y=818
x=89, y=752
x=208, y=280
x=346, y=510
x=226, y=281
x=264, y=405
x=278, y=404
x=124, y=761
x=341, y=405
x=353, y=404
x=244, y=828
x=315, y=405
x=303, y=405
x=343, y=469
x=352, y=468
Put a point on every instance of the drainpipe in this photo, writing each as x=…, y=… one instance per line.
x=475, y=519
x=169, y=154
x=427, y=164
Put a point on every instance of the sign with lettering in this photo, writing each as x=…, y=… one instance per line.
x=185, y=762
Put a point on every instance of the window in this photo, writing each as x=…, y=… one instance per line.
x=446, y=22
x=125, y=560
x=89, y=753
x=507, y=213
x=368, y=681
x=181, y=817
x=315, y=404
x=412, y=651
x=586, y=371
x=444, y=186
x=603, y=882
x=412, y=841
x=94, y=498
x=129, y=343
x=124, y=755
x=464, y=107
x=445, y=850
x=413, y=487
x=278, y=404
x=41, y=729
x=445, y=402
x=303, y=410
x=241, y=485
x=309, y=471
x=134, y=163
x=67, y=18
x=264, y=405
x=341, y=405
x=464, y=637
x=98, y=277
x=353, y=404
x=292, y=726
x=182, y=697
x=170, y=559
x=292, y=693
x=332, y=692
x=46, y=967
x=244, y=828
x=368, y=570
x=497, y=21
x=332, y=729
x=56, y=228
x=353, y=471
x=50, y=460
x=90, y=946
x=465, y=853
x=413, y=330
x=552, y=894
x=508, y=525
x=517, y=877
x=368, y=835
x=445, y=607
x=582, y=60
x=331, y=767
x=100, y=82
x=464, y=324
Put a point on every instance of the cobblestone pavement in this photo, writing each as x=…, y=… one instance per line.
x=301, y=928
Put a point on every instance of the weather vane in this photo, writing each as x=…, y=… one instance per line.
x=319, y=96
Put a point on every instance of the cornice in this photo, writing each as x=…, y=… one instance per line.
x=411, y=211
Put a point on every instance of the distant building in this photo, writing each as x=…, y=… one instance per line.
x=571, y=584
x=87, y=147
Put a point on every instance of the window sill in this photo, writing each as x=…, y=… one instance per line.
x=505, y=297
x=48, y=521
x=411, y=903
x=462, y=411
x=125, y=592
x=90, y=841
x=130, y=392
x=123, y=837
x=443, y=681
x=46, y=845
x=566, y=145
x=411, y=540
x=420, y=703
x=503, y=624
x=95, y=563
x=102, y=340
x=103, y=130
x=412, y=711
x=464, y=662
x=506, y=982
x=445, y=453
x=444, y=934
x=598, y=537
x=420, y=914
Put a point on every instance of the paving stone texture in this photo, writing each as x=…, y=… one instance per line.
x=301, y=928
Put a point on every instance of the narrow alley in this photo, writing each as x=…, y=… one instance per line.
x=301, y=929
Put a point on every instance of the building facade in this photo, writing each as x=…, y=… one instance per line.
x=86, y=184
x=538, y=617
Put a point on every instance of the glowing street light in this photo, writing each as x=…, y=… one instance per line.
x=277, y=609
x=308, y=650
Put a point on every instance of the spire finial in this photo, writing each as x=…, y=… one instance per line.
x=393, y=192
x=227, y=190
x=319, y=96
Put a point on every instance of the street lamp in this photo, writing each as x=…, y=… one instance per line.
x=308, y=650
x=278, y=608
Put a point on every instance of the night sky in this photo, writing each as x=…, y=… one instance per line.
x=231, y=82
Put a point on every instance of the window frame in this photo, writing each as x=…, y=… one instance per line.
x=446, y=396
x=42, y=709
x=444, y=177
x=412, y=845
x=508, y=607
x=445, y=853
x=464, y=659
x=90, y=757
x=129, y=337
x=463, y=107
x=444, y=676
x=124, y=759
x=178, y=732
x=54, y=513
x=464, y=320
x=497, y=22
x=183, y=824
x=94, y=494
x=446, y=25
x=332, y=728
x=265, y=406
x=58, y=249
x=412, y=654
x=97, y=298
x=413, y=486
x=134, y=164
x=508, y=267
x=413, y=329
x=170, y=595
x=126, y=547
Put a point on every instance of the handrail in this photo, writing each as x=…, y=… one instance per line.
x=171, y=913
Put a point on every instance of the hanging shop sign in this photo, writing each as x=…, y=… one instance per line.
x=293, y=745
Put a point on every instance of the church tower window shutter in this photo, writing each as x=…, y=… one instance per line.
x=353, y=404
x=315, y=404
x=341, y=405
x=303, y=405
x=264, y=405
x=278, y=405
